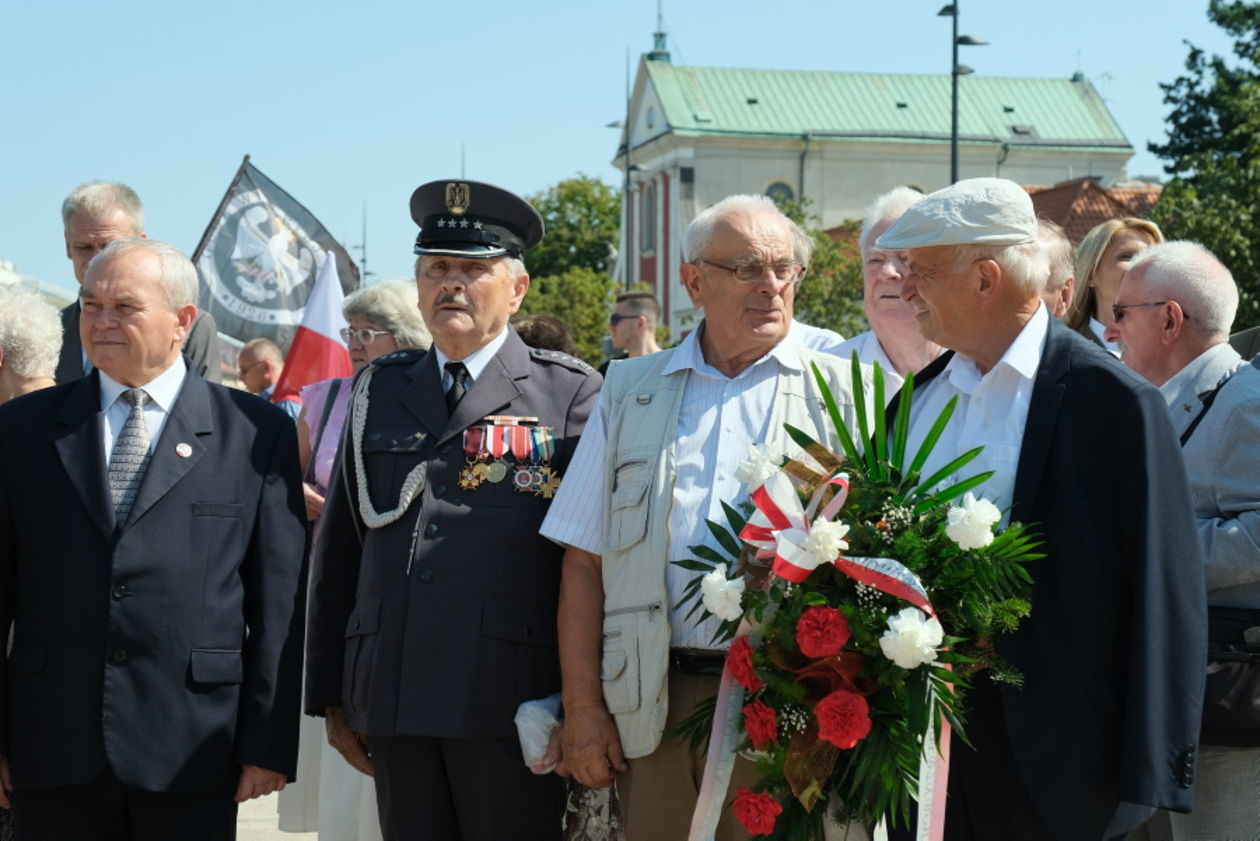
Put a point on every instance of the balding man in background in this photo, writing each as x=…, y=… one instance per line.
x=1060, y=280
x=1173, y=312
x=93, y=215
x=260, y=364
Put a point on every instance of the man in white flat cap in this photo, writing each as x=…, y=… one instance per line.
x=1104, y=728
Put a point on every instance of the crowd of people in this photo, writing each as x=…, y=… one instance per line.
x=476, y=519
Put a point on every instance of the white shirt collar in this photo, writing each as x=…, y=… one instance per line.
x=162, y=389
x=1099, y=329
x=1022, y=356
x=689, y=356
x=476, y=361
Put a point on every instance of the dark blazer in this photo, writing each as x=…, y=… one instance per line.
x=201, y=347
x=168, y=649
x=1114, y=651
x=450, y=640
x=1246, y=342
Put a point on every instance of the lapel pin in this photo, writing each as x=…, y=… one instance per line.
x=183, y=450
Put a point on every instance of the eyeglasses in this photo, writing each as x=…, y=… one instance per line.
x=791, y=272
x=1117, y=310
x=365, y=336
x=616, y=318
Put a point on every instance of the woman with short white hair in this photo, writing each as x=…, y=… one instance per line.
x=30, y=342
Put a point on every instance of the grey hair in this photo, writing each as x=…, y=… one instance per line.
x=392, y=305
x=1189, y=274
x=885, y=207
x=179, y=275
x=700, y=231
x=1026, y=265
x=1060, y=254
x=30, y=332
x=97, y=199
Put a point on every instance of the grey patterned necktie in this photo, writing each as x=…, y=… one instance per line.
x=129, y=457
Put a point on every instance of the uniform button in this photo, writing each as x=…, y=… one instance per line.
x=439, y=490
x=426, y=575
x=119, y=655
x=376, y=436
x=120, y=592
x=525, y=632
x=430, y=529
x=445, y=449
x=356, y=624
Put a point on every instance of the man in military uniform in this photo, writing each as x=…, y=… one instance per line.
x=433, y=609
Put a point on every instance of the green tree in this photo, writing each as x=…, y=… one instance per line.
x=569, y=269
x=581, y=216
x=582, y=299
x=1213, y=153
x=831, y=294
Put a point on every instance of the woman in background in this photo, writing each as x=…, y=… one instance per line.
x=1102, y=258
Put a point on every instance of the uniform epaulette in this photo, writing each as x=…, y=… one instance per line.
x=564, y=359
x=400, y=357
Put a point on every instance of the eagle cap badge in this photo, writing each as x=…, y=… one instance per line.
x=458, y=197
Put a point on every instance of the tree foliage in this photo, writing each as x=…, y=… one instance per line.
x=1213, y=153
x=569, y=268
x=831, y=294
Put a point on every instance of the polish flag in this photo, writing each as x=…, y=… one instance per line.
x=317, y=352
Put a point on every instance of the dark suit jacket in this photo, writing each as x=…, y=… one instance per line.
x=1246, y=342
x=1114, y=651
x=450, y=645
x=168, y=650
x=201, y=347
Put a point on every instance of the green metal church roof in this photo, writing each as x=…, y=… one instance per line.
x=706, y=101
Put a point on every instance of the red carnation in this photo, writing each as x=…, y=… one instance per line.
x=756, y=811
x=843, y=718
x=739, y=658
x=760, y=724
x=821, y=631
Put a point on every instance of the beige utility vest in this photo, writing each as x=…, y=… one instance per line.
x=641, y=407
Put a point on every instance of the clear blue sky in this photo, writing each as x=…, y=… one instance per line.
x=344, y=104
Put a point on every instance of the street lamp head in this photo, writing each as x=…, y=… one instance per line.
x=947, y=11
x=970, y=41
x=962, y=70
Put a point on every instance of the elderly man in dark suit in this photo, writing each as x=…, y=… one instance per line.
x=433, y=609
x=93, y=215
x=1104, y=728
x=151, y=539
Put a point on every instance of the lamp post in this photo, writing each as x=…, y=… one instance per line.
x=951, y=10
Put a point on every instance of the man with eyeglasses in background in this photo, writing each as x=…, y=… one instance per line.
x=660, y=453
x=633, y=326
x=1173, y=312
x=260, y=364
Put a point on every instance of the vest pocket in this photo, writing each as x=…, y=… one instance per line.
x=619, y=666
x=627, y=507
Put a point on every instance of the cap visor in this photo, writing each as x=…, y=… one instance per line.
x=469, y=251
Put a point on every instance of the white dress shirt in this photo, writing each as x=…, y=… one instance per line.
x=475, y=362
x=162, y=391
x=1099, y=329
x=719, y=420
x=818, y=338
x=870, y=351
x=992, y=411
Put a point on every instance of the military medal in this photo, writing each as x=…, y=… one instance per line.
x=474, y=472
x=497, y=445
x=496, y=471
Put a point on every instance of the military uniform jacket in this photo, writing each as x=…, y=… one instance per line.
x=446, y=639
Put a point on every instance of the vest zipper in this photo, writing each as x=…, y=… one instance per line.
x=650, y=608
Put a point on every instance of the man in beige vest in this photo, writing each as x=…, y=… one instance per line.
x=658, y=456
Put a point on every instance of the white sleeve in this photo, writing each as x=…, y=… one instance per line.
x=576, y=515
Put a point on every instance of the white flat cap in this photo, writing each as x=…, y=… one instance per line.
x=988, y=211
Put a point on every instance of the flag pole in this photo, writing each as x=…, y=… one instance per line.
x=218, y=213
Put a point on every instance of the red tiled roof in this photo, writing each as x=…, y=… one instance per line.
x=1081, y=204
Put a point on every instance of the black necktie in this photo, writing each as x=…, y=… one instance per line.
x=459, y=376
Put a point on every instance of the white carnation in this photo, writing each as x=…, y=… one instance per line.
x=758, y=467
x=721, y=595
x=826, y=540
x=970, y=524
x=912, y=638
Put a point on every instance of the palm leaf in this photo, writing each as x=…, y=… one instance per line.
x=859, y=405
x=881, y=424
x=901, y=426
x=833, y=411
x=934, y=434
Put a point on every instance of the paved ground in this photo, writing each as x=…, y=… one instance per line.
x=256, y=821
